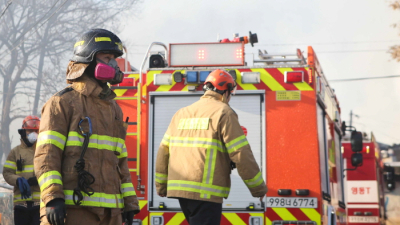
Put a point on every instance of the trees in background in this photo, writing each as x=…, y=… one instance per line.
x=395, y=49
x=36, y=41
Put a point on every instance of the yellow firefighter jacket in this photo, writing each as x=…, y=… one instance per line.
x=193, y=160
x=11, y=174
x=60, y=143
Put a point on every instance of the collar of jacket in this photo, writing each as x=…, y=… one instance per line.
x=212, y=95
x=25, y=146
x=89, y=87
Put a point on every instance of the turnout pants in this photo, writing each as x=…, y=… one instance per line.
x=201, y=212
x=82, y=215
x=26, y=216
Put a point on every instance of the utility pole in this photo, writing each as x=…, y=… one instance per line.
x=351, y=117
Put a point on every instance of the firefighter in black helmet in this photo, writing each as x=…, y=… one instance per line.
x=81, y=157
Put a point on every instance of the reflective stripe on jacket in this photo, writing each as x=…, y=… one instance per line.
x=60, y=143
x=193, y=160
x=11, y=174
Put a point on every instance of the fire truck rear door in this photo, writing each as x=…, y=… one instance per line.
x=249, y=105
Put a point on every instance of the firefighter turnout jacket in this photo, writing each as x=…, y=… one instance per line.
x=193, y=160
x=59, y=146
x=11, y=173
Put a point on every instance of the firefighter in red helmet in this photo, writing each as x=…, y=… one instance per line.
x=81, y=159
x=198, y=150
x=18, y=172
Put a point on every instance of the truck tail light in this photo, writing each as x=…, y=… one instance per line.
x=294, y=76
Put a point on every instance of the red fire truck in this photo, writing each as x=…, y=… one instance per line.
x=284, y=103
x=364, y=185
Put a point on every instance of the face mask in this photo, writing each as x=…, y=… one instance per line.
x=109, y=72
x=32, y=137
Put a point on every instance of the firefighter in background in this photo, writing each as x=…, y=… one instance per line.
x=18, y=172
x=81, y=157
x=195, y=155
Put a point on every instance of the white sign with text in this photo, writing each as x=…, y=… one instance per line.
x=362, y=191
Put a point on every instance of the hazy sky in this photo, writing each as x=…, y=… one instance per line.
x=350, y=37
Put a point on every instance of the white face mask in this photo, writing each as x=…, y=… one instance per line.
x=32, y=137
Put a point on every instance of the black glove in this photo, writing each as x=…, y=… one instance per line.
x=55, y=211
x=128, y=217
x=233, y=165
x=32, y=181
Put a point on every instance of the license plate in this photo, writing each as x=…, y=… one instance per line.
x=363, y=219
x=281, y=202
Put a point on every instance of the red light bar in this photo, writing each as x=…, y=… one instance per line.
x=206, y=54
x=294, y=76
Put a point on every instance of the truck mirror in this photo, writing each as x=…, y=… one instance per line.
x=356, y=141
x=391, y=185
x=388, y=176
x=343, y=128
x=356, y=159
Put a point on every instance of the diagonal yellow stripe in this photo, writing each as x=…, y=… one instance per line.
x=150, y=76
x=120, y=92
x=312, y=214
x=269, y=80
x=302, y=86
x=234, y=218
x=145, y=221
x=284, y=214
x=142, y=204
x=269, y=222
x=177, y=219
x=134, y=75
x=244, y=86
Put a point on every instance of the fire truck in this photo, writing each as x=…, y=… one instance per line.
x=364, y=185
x=286, y=107
x=391, y=176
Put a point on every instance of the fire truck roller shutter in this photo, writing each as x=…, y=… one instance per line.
x=249, y=105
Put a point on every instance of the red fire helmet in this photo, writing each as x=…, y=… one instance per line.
x=31, y=123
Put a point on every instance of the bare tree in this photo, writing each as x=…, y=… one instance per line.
x=395, y=49
x=36, y=41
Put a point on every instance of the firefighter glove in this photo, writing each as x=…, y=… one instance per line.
x=23, y=186
x=128, y=217
x=55, y=211
x=32, y=181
